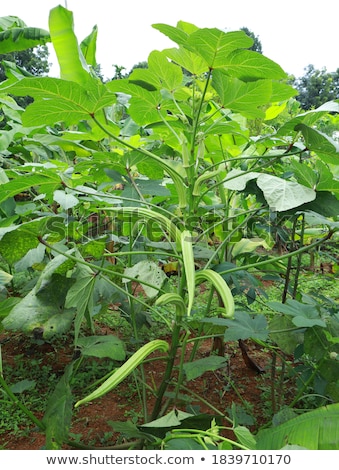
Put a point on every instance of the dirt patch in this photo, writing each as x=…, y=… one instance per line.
x=237, y=383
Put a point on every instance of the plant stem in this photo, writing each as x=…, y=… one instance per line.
x=299, y=259
x=168, y=371
x=273, y=377
x=279, y=258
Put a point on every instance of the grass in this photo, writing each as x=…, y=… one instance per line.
x=38, y=371
x=43, y=381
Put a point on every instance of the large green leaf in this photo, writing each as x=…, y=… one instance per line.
x=48, y=182
x=325, y=203
x=44, y=306
x=214, y=45
x=281, y=91
x=241, y=97
x=176, y=34
x=58, y=415
x=17, y=240
x=316, y=344
x=304, y=174
x=325, y=178
x=303, y=315
x=281, y=332
x=173, y=419
x=316, y=430
x=324, y=146
x=72, y=63
x=188, y=60
x=65, y=200
x=58, y=100
x=169, y=75
x=145, y=105
x=245, y=326
x=249, y=65
x=242, y=326
x=35, y=312
x=179, y=419
x=102, y=346
x=280, y=194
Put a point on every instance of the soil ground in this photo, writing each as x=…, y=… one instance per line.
x=237, y=383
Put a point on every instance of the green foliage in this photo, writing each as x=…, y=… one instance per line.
x=317, y=87
x=33, y=61
x=16, y=36
x=105, y=183
x=324, y=435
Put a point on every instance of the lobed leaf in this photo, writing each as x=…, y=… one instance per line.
x=196, y=368
x=58, y=100
x=214, y=45
x=241, y=97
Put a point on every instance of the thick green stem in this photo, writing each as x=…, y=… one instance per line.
x=299, y=259
x=181, y=365
x=168, y=371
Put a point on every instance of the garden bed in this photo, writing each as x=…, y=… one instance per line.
x=236, y=384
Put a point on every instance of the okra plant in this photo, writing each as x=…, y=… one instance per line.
x=127, y=176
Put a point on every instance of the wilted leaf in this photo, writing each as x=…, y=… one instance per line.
x=147, y=271
x=66, y=201
x=282, y=195
x=247, y=245
x=5, y=278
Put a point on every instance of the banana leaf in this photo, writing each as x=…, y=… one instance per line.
x=314, y=430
